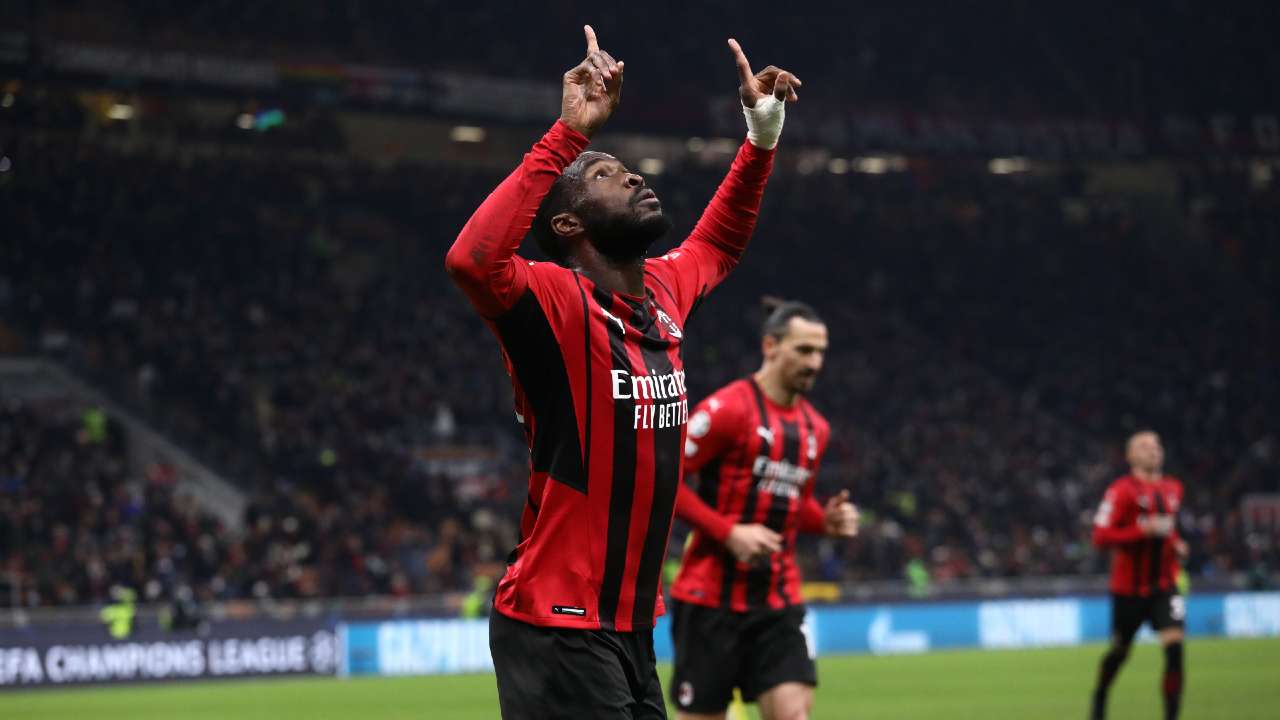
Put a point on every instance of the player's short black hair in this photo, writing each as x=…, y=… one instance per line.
x=778, y=314
x=564, y=196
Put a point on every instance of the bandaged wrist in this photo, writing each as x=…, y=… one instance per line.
x=764, y=121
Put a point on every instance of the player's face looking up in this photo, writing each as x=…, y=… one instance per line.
x=798, y=354
x=621, y=215
x=1145, y=452
x=598, y=200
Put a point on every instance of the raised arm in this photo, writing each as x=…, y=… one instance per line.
x=483, y=259
x=721, y=235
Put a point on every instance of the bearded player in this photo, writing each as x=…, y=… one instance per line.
x=1138, y=521
x=593, y=346
x=755, y=446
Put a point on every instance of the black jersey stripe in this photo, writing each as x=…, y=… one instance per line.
x=753, y=493
x=760, y=578
x=776, y=519
x=621, y=493
x=667, y=452
x=1157, y=546
x=709, y=483
x=807, y=433
x=810, y=440
x=1140, y=555
x=586, y=371
x=539, y=366
x=622, y=489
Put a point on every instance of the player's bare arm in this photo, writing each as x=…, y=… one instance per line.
x=483, y=258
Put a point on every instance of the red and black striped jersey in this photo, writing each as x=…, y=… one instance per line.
x=755, y=462
x=599, y=387
x=1141, y=564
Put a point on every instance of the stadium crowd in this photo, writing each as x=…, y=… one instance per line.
x=994, y=338
x=76, y=521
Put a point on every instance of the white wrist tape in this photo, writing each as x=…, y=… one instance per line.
x=764, y=121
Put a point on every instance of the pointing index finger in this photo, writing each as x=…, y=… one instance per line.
x=744, y=67
x=592, y=45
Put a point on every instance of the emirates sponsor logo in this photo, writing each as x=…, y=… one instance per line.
x=648, y=387
x=779, y=477
x=645, y=389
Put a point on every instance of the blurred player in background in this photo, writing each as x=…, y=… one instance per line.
x=756, y=445
x=592, y=343
x=1138, y=520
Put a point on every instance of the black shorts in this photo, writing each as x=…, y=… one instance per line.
x=546, y=672
x=1163, y=610
x=718, y=650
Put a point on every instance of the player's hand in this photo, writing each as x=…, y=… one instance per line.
x=748, y=542
x=841, y=516
x=769, y=81
x=1156, y=525
x=591, y=89
x=1180, y=547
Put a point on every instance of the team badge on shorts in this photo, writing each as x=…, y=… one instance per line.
x=685, y=696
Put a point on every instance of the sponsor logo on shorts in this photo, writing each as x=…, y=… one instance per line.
x=685, y=696
x=568, y=610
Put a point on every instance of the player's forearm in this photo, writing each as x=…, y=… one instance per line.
x=703, y=517
x=1111, y=536
x=482, y=260
x=729, y=220
x=812, y=518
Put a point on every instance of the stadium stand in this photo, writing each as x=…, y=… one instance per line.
x=274, y=300
x=286, y=318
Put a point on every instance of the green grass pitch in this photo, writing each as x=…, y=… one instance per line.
x=1237, y=679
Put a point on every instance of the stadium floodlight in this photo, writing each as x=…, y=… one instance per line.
x=838, y=166
x=724, y=146
x=120, y=111
x=695, y=145
x=879, y=164
x=1009, y=165
x=811, y=160
x=872, y=165
x=7, y=100
x=5, y=164
x=467, y=134
x=651, y=166
x=244, y=121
